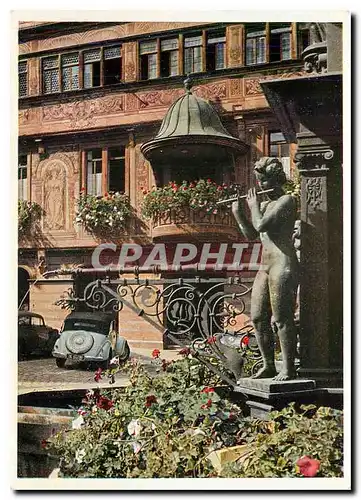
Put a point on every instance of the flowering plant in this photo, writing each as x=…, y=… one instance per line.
x=29, y=215
x=202, y=194
x=103, y=214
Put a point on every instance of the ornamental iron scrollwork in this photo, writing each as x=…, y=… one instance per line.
x=198, y=313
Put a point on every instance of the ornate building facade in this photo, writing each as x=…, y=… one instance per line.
x=91, y=93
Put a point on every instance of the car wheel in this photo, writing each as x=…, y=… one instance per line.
x=60, y=362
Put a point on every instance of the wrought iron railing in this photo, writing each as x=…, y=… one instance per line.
x=204, y=314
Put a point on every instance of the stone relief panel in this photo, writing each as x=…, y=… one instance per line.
x=56, y=178
x=314, y=194
x=130, y=61
x=142, y=167
x=54, y=197
x=81, y=113
x=252, y=86
x=234, y=46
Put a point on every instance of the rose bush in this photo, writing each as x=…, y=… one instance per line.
x=103, y=215
x=202, y=194
x=167, y=425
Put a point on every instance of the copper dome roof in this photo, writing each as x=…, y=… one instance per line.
x=190, y=120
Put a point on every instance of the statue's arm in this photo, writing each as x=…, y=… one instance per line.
x=244, y=224
x=276, y=215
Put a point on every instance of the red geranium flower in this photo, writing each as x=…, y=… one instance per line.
x=211, y=340
x=245, y=341
x=232, y=417
x=156, y=353
x=308, y=466
x=164, y=365
x=207, y=390
x=150, y=400
x=43, y=443
x=98, y=375
x=104, y=403
x=106, y=195
x=185, y=351
x=207, y=405
x=82, y=189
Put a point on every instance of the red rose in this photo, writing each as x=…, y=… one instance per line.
x=185, y=351
x=156, y=353
x=104, y=403
x=207, y=390
x=207, y=405
x=150, y=400
x=98, y=375
x=211, y=340
x=308, y=466
x=245, y=341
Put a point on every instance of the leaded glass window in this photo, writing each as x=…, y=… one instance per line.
x=216, y=44
x=148, y=60
x=169, y=57
x=255, y=46
x=70, y=71
x=23, y=78
x=193, y=54
x=51, y=81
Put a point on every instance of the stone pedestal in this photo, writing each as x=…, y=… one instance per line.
x=266, y=395
x=261, y=396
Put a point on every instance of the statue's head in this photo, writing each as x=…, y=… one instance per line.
x=269, y=173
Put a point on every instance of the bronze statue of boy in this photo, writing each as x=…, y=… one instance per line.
x=275, y=286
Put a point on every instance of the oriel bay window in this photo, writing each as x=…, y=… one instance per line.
x=104, y=170
x=215, y=54
x=22, y=177
x=23, y=78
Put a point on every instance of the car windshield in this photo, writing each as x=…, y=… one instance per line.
x=86, y=324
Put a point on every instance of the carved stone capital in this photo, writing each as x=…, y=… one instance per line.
x=306, y=160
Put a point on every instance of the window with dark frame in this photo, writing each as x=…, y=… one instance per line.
x=193, y=62
x=51, y=77
x=22, y=177
x=256, y=44
x=70, y=71
x=169, y=57
x=280, y=42
x=23, y=78
x=215, y=54
x=112, y=65
x=91, y=68
x=94, y=171
x=116, y=169
x=148, y=60
x=280, y=148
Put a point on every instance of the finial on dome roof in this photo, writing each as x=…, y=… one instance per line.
x=188, y=84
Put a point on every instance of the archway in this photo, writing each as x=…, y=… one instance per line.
x=23, y=288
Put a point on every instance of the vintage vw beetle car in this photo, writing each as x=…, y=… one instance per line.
x=90, y=337
x=34, y=336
